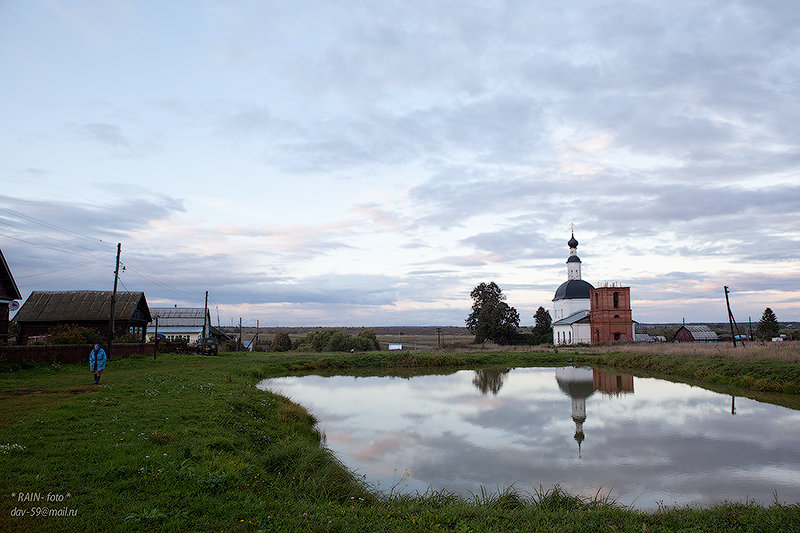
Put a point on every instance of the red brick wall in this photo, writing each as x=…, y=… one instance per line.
x=610, y=322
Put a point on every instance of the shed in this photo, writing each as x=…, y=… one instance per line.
x=695, y=333
x=8, y=294
x=44, y=310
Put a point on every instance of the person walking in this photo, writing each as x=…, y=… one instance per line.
x=97, y=362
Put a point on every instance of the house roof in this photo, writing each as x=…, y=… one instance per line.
x=178, y=316
x=574, y=317
x=701, y=332
x=8, y=287
x=81, y=306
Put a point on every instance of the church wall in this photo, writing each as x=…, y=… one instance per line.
x=611, y=318
x=578, y=333
x=565, y=308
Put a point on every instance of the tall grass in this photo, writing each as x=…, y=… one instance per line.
x=751, y=351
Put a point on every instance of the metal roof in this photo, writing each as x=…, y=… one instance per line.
x=81, y=306
x=701, y=332
x=571, y=319
x=178, y=316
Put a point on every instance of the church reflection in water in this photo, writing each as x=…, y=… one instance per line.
x=580, y=383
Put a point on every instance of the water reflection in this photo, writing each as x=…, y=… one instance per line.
x=490, y=380
x=580, y=383
x=668, y=442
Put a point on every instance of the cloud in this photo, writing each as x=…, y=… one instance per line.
x=108, y=134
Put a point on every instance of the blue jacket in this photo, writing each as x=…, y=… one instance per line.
x=99, y=357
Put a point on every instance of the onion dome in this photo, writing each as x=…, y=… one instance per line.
x=573, y=289
x=573, y=242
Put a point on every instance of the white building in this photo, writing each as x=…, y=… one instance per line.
x=182, y=324
x=571, y=303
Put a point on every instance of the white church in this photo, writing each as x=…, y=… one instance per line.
x=572, y=303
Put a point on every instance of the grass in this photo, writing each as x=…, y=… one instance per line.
x=188, y=443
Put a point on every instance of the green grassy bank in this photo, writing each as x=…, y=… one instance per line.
x=187, y=443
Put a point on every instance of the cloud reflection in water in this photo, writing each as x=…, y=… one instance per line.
x=657, y=442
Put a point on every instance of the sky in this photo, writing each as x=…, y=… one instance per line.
x=369, y=163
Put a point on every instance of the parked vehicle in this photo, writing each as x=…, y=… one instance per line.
x=208, y=346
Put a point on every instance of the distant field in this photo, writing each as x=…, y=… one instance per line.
x=419, y=336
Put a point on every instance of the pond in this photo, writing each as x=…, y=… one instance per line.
x=643, y=442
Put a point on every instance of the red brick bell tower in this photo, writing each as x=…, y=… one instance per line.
x=610, y=317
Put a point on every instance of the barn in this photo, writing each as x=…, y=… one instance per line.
x=695, y=333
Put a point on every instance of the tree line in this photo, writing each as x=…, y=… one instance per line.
x=493, y=319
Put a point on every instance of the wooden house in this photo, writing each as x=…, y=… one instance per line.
x=8, y=294
x=44, y=310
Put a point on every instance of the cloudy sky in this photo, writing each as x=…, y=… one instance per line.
x=369, y=163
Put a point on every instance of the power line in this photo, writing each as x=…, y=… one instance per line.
x=50, y=226
x=154, y=277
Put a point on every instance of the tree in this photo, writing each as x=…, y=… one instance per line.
x=542, y=328
x=281, y=343
x=491, y=317
x=768, y=327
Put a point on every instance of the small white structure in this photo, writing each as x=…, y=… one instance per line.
x=395, y=346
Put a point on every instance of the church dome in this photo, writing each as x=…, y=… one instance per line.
x=573, y=259
x=573, y=242
x=573, y=289
x=577, y=383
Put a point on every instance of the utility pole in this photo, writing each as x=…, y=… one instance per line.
x=255, y=339
x=439, y=336
x=241, y=340
x=113, y=298
x=205, y=318
x=731, y=320
x=155, y=339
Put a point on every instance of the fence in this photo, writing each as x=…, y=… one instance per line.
x=71, y=353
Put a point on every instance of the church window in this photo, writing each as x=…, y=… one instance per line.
x=570, y=337
x=596, y=301
x=616, y=336
x=616, y=299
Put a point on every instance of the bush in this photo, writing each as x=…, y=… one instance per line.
x=129, y=338
x=73, y=334
x=334, y=340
